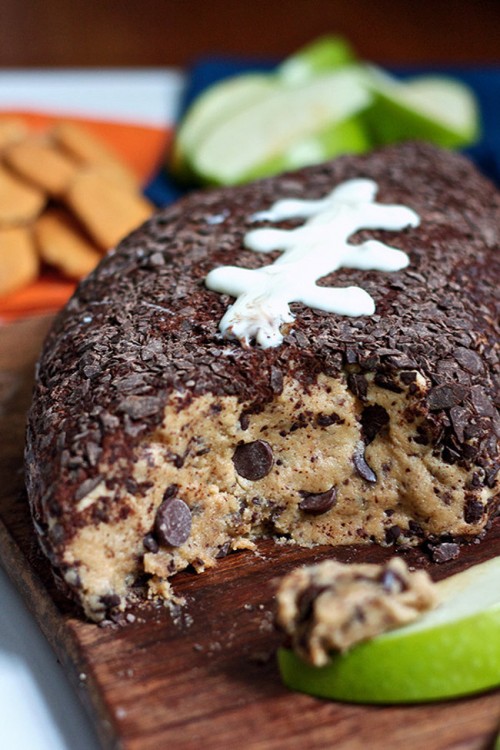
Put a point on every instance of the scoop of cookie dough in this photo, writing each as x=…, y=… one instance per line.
x=332, y=606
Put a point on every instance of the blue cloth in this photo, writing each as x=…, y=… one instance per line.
x=485, y=82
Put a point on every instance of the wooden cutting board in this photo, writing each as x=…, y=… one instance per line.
x=205, y=677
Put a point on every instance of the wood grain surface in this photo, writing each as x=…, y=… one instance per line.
x=205, y=676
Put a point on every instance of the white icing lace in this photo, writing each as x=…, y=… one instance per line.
x=310, y=252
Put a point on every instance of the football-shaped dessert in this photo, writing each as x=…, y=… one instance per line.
x=310, y=357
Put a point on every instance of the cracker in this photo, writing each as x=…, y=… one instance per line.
x=20, y=203
x=61, y=243
x=81, y=145
x=107, y=210
x=18, y=259
x=40, y=162
x=12, y=130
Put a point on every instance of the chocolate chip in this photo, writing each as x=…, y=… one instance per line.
x=359, y=615
x=364, y=471
x=306, y=600
x=392, y=534
x=224, y=549
x=253, y=460
x=325, y=420
x=317, y=503
x=415, y=528
x=150, y=543
x=373, y=419
x=173, y=522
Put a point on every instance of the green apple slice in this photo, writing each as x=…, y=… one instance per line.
x=433, y=108
x=323, y=55
x=264, y=131
x=451, y=651
x=212, y=107
x=348, y=137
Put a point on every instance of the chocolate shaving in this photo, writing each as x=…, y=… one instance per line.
x=469, y=360
x=358, y=384
x=87, y=486
x=473, y=511
x=444, y=552
x=276, y=380
x=445, y=396
x=139, y=407
x=459, y=419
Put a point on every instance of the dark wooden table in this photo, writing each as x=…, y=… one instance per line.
x=175, y=32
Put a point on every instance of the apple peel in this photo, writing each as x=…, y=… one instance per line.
x=451, y=651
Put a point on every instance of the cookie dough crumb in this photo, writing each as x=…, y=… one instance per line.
x=332, y=606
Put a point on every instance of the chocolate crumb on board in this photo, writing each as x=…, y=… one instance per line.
x=443, y=552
